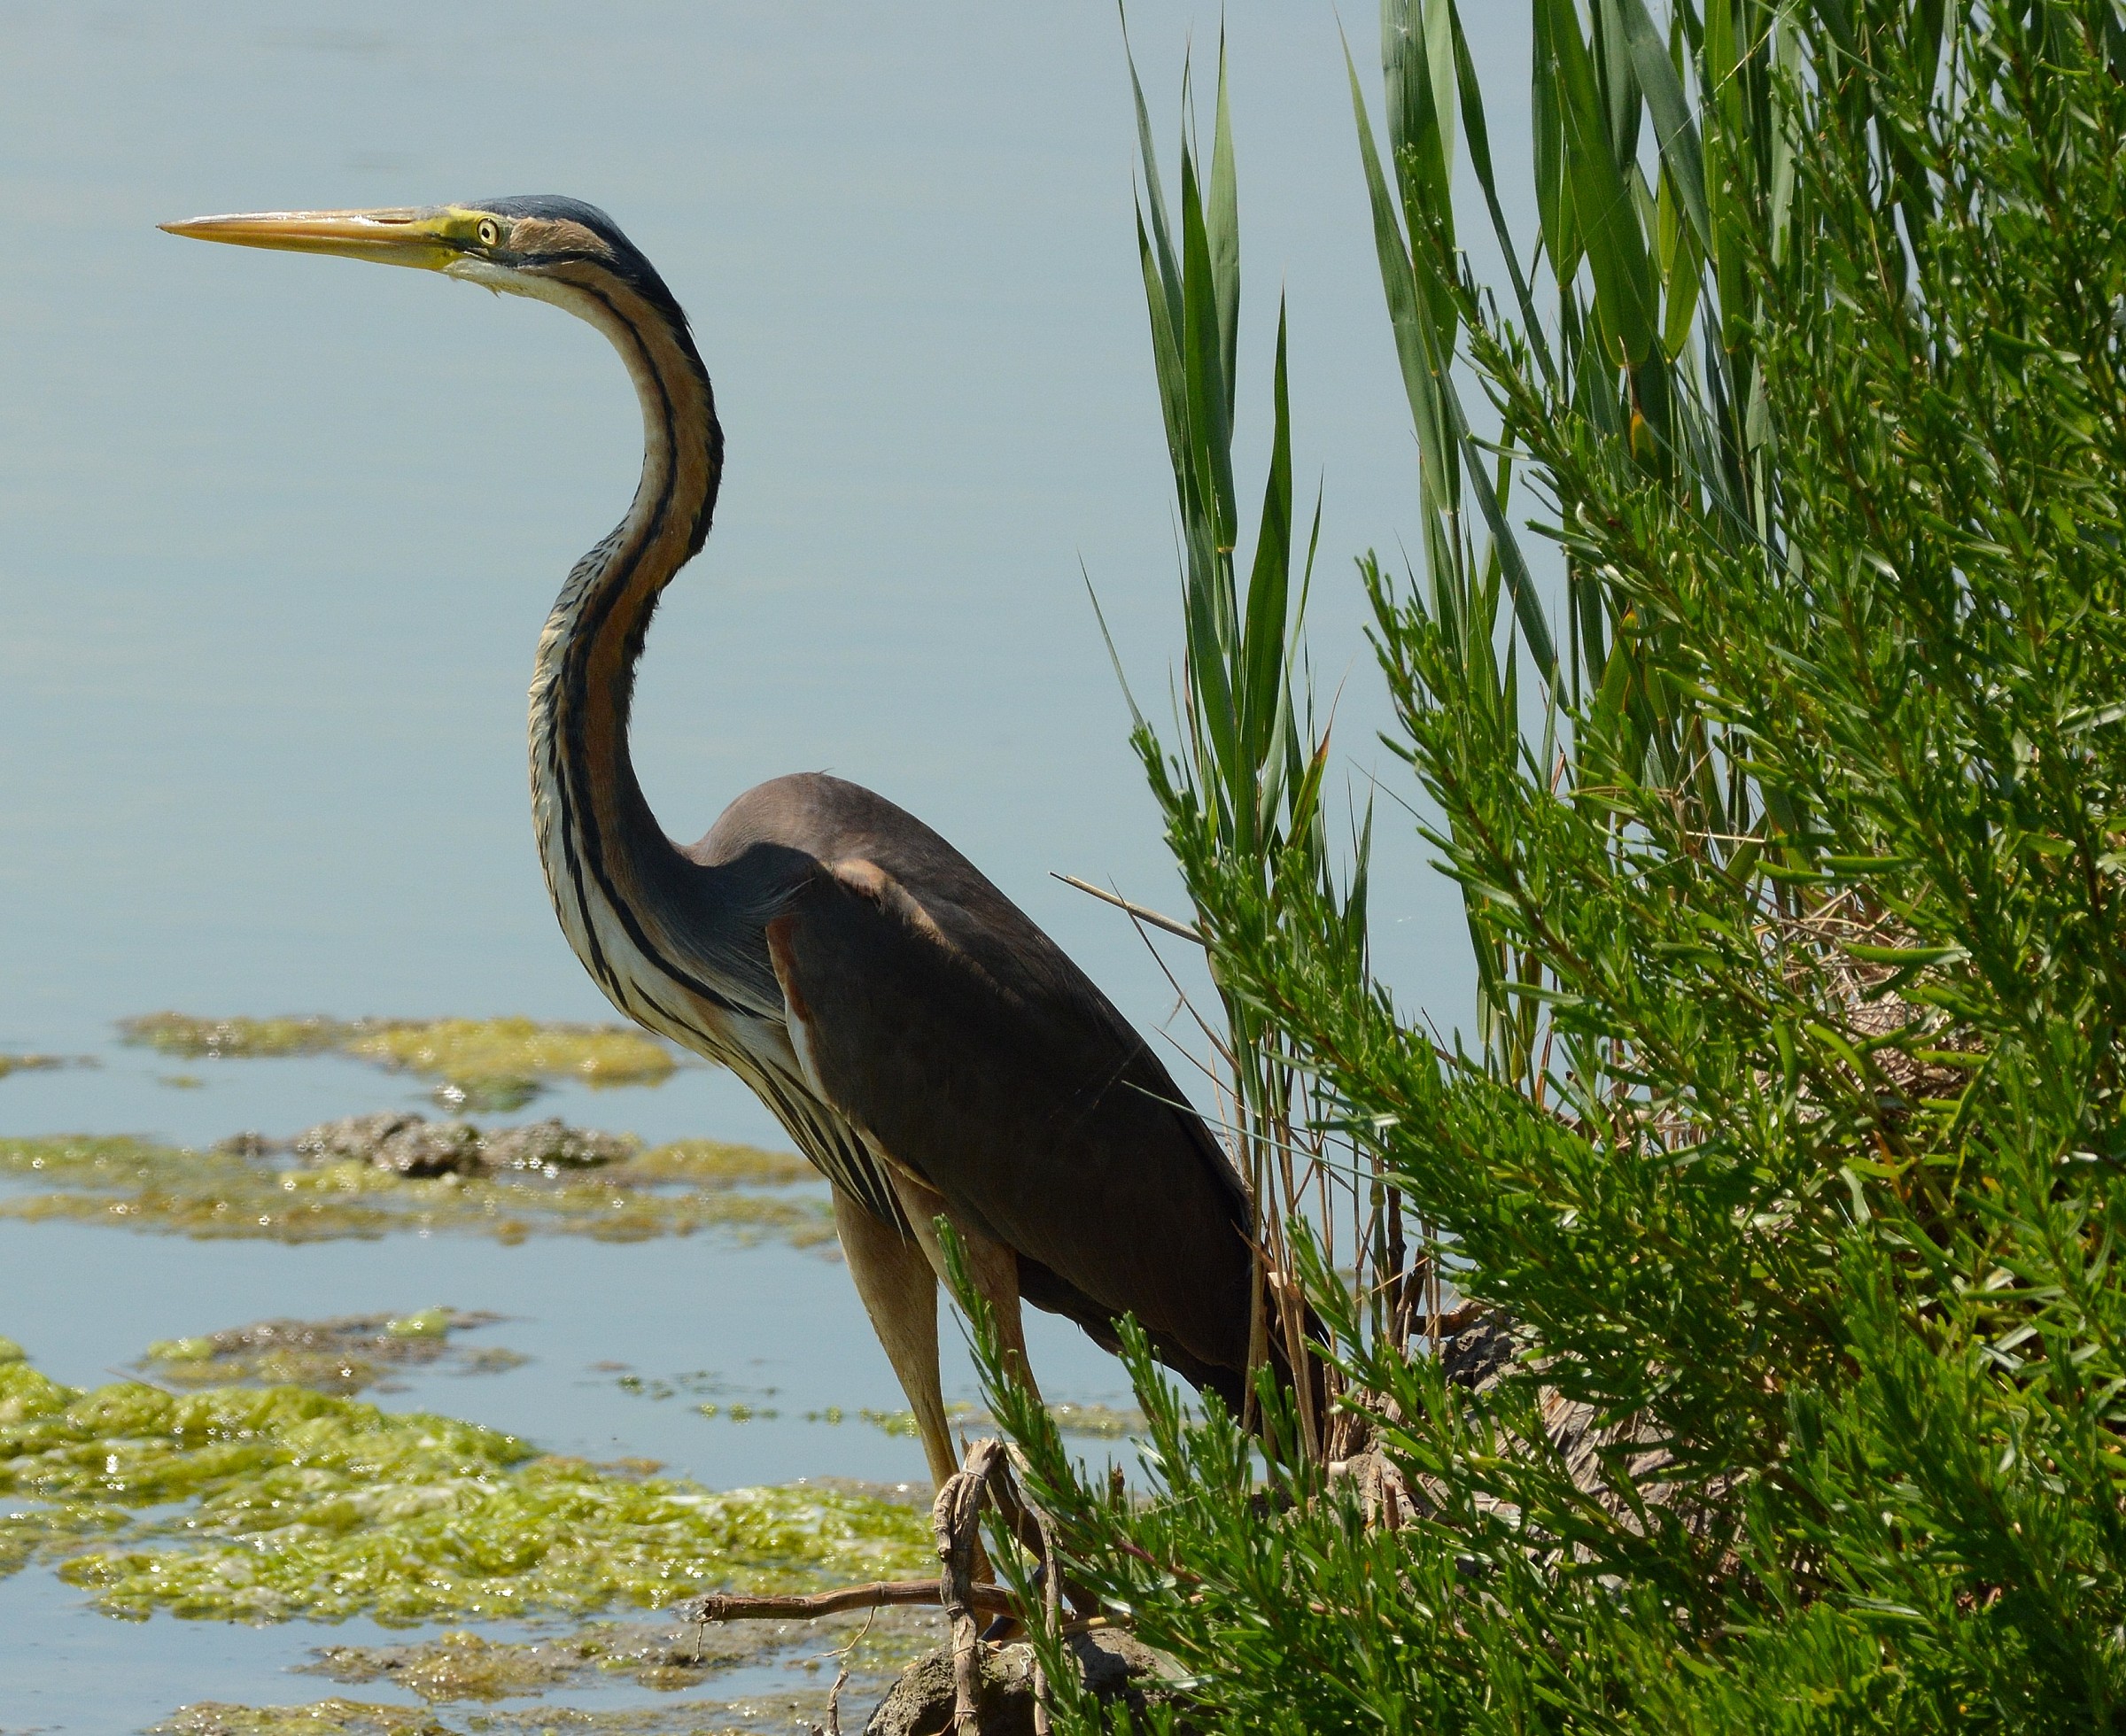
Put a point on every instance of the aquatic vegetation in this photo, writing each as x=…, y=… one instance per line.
x=468, y=1666
x=250, y=1504
x=405, y=1144
x=347, y=1354
x=707, y=1163
x=246, y=1187
x=226, y=1038
x=901, y=1424
x=1102, y=1421
x=491, y=1058
x=464, y=1665
x=460, y=1676
x=802, y=1709
x=36, y=1064
x=695, y=1383
x=1105, y=1422
x=330, y=1717
x=493, y=1064
x=413, y=1145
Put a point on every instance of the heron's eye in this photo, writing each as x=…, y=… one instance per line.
x=489, y=232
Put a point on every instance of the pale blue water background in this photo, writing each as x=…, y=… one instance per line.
x=279, y=535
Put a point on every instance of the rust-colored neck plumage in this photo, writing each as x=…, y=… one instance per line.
x=608, y=862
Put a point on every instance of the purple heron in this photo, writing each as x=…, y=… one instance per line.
x=921, y=1040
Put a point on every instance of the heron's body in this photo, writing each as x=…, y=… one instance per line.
x=921, y=1039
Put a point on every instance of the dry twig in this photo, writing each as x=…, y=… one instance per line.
x=956, y=1517
x=737, y=1606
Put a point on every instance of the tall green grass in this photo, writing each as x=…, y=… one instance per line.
x=1243, y=782
x=1664, y=178
x=1790, y=1168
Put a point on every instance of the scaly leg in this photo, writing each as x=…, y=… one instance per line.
x=993, y=1267
x=899, y=1289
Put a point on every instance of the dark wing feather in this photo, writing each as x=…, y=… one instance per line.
x=988, y=1064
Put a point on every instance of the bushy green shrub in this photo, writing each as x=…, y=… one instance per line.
x=1787, y=1155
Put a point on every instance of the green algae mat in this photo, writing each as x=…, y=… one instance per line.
x=461, y=1677
x=785, y=1711
x=241, y=1189
x=33, y=1064
x=274, y=1503
x=495, y=1064
x=347, y=1354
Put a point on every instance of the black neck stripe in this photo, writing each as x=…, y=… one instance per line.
x=582, y=839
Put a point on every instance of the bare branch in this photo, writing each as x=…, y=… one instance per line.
x=1138, y=911
x=956, y=1518
x=880, y=1593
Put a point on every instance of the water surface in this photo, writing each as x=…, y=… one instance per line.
x=281, y=533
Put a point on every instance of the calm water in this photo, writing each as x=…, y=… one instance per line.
x=280, y=534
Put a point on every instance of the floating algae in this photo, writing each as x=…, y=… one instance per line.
x=1102, y=1421
x=779, y=1713
x=488, y=1064
x=37, y=1063
x=247, y=1187
x=229, y=1039
x=501, y=1062
x=348, y=1354
x=740, y=1412
x=250, y=1504
x=462, y=1667
x=466, y=1666
x=698, y=1380
x=330, y=1717
x=1105, y=1422
x=695, y=1383
x=461, y=1675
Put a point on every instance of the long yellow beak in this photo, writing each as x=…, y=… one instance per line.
x=426, y=238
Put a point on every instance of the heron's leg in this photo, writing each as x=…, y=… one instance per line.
x=993, y=1267
x=899, y=1289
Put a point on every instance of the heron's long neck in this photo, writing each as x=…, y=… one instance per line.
x=608, y=866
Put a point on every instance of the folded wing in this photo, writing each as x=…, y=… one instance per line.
x=971, y=1051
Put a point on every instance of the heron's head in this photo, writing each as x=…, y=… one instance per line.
x=555, y=249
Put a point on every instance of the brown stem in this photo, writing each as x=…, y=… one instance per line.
x=1018, y=1514
x=956, y=1518
x=880, y=1593
x=1051, y=1610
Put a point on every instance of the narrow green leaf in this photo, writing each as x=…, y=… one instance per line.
x=1269, y=585
x=1528, y=606
x=1909, y=956
x=1675, y=130
x=1399, y=281
x=1609, y=224
x=1553, y=185
x=1222, y=222
x=1203, y=363
x=1169, y=272
x=1478, y=133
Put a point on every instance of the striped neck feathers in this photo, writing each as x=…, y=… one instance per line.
x=601, y=847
